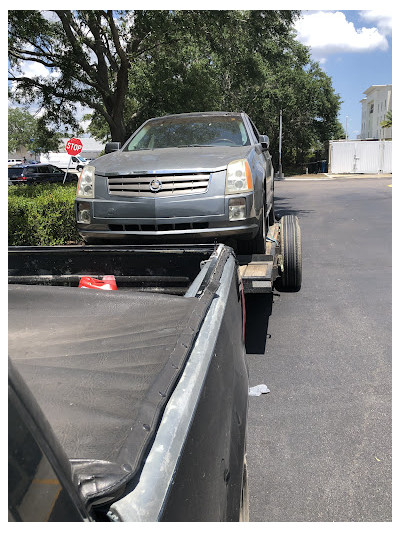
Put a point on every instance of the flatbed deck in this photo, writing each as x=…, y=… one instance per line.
x=259, y=271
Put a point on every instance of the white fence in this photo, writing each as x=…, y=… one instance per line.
x=360, y=157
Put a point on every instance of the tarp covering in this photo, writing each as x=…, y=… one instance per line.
x=101, y=365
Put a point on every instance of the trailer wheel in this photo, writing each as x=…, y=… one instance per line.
x=291, y=273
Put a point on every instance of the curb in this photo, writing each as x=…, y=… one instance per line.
x=304, y=179
x=328, y=177
x=360, y=176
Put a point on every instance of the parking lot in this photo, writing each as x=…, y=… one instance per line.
x=319, y=443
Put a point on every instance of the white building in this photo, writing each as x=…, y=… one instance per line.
x=375, y=105
x=90, y=147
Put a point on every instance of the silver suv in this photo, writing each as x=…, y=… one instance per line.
x=181, y=178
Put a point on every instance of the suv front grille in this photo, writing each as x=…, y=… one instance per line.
x=158, y=227
x=158, y=185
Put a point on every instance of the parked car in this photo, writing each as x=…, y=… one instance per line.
x=33, y=174
x=187, y=177
x=12, y=162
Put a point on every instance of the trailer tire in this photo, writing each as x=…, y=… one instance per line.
x=291, y=273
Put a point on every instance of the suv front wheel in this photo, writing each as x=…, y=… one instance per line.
x=258, y=244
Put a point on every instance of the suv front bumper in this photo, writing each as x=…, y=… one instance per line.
x=116, y=220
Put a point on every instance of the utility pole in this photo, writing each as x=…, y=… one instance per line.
x=280, y=143
x=346, y=126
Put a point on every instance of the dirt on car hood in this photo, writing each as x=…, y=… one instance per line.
x=210, y=158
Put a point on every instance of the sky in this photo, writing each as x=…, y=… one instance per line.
x=354, y=47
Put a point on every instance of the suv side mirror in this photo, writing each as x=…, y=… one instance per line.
x=112, y=147
x=264, y=141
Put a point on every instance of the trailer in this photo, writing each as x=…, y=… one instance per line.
x=282, y=262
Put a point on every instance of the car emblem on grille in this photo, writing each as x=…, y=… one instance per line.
x=155, y=185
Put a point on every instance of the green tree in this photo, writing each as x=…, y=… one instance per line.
x=95, y=55
x=21, y=129
x=24, y=130
x=128, y=66
x=387, y=122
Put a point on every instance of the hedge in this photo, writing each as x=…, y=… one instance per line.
x=41, y=215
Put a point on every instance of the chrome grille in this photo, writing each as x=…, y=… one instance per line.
x=172, y=185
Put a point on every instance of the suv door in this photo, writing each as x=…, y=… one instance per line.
x=38, y=174
x=56, y=174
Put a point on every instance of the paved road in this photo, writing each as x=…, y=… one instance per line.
x=319, y=444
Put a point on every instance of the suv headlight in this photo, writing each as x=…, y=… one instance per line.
x=238, y=177
x=85, y=188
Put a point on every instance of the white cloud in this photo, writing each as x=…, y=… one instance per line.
x=50, y=16
x=382, y=18
x=84, y=124
x=328, y=32
x=31, y=69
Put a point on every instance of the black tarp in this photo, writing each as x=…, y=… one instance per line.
x=101, y=365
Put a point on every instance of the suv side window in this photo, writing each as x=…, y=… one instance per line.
x=40, y=485
x=35, y=492
x=43, y=170
x=54, y=170
x=255, y=130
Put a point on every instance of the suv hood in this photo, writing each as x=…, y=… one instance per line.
x=207, y=158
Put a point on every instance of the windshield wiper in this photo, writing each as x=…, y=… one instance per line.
x=192, y=145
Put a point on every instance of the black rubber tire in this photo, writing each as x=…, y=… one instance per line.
x=258, y=244
x=291, y=274
x=271, y=217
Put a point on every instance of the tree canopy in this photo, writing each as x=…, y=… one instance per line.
x=387, y=121
x=128, y=66
x=24, y=130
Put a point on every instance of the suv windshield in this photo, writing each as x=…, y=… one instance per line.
x=177, y=132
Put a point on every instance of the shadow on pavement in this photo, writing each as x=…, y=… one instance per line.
x=284, y=206
x=258, y=311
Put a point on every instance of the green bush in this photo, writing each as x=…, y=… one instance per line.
x=41, y=215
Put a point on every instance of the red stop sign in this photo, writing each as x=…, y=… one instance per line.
x=74, y=146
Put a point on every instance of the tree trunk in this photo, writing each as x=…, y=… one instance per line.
x=118, y=130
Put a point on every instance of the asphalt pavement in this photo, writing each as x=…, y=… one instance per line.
x=319, y=443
